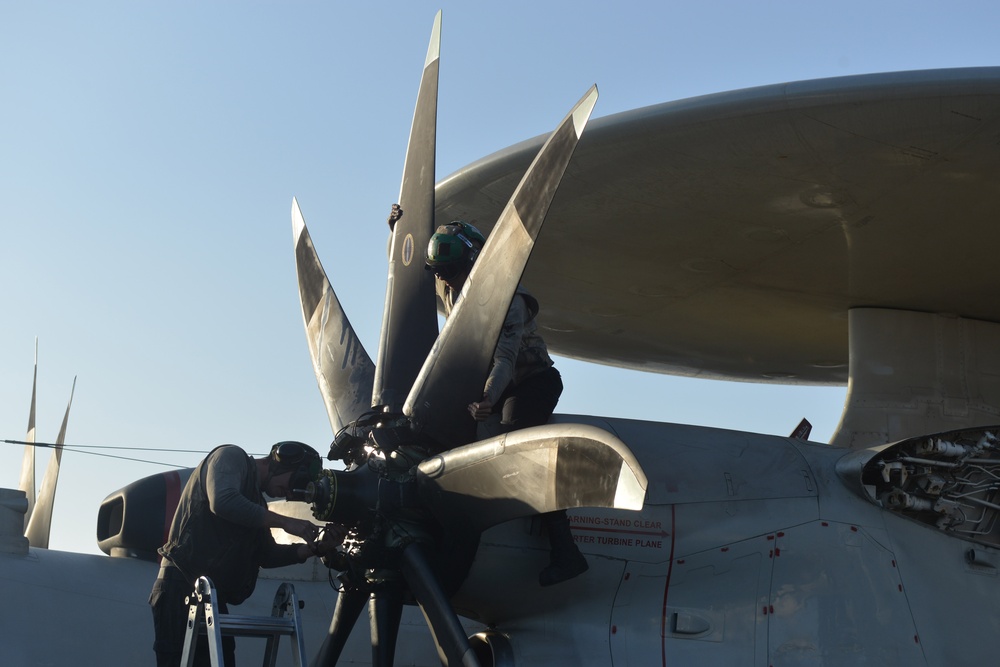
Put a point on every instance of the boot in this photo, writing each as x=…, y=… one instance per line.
x=566, y=561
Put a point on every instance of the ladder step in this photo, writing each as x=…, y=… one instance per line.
x=201, y=610
x=254, y=626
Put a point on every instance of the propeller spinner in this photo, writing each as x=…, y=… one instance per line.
x=416, y=492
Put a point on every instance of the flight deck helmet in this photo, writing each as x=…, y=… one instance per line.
x=453, y=248
x=296, y=457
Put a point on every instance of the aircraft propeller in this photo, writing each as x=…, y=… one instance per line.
x=416, y=494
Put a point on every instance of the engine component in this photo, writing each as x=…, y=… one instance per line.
x=950, y=481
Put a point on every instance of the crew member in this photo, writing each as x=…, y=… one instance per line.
x=221, y=529
x=523, y=386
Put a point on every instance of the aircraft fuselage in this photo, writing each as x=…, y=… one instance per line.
x=750, y=550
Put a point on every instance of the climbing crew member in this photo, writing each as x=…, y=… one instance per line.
x=523, y=386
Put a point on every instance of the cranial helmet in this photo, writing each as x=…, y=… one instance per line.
x=453, y=248
x=297, y=457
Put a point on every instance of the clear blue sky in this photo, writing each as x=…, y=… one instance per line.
x=150, y=152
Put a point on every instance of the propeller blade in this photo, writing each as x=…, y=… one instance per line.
x=343, y=369
x=385, y=612
x=40, y=524
x=454, y=373
x=350, y=602
x=27, y=482
x=409, y=322
x=449, y=635
x=531, y=471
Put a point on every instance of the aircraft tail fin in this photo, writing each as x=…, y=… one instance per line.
x=802, y=431
x=40, y=523
x=27, y=483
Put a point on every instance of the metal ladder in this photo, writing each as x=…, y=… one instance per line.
x=203, y=618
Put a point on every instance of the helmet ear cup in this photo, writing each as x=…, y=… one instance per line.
x=449, y=250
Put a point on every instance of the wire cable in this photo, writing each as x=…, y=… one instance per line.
x=83, y=449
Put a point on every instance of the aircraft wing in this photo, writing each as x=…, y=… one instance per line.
x=727, y=236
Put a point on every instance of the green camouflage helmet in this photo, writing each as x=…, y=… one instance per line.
x=454, y=247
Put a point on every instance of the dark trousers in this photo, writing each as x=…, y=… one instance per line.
x=531, y=402
x=170, y=615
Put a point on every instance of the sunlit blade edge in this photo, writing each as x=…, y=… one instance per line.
x=344, y=371
x=484, y=483
x=409, y=320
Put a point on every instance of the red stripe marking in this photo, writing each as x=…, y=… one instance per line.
x=666, y=586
